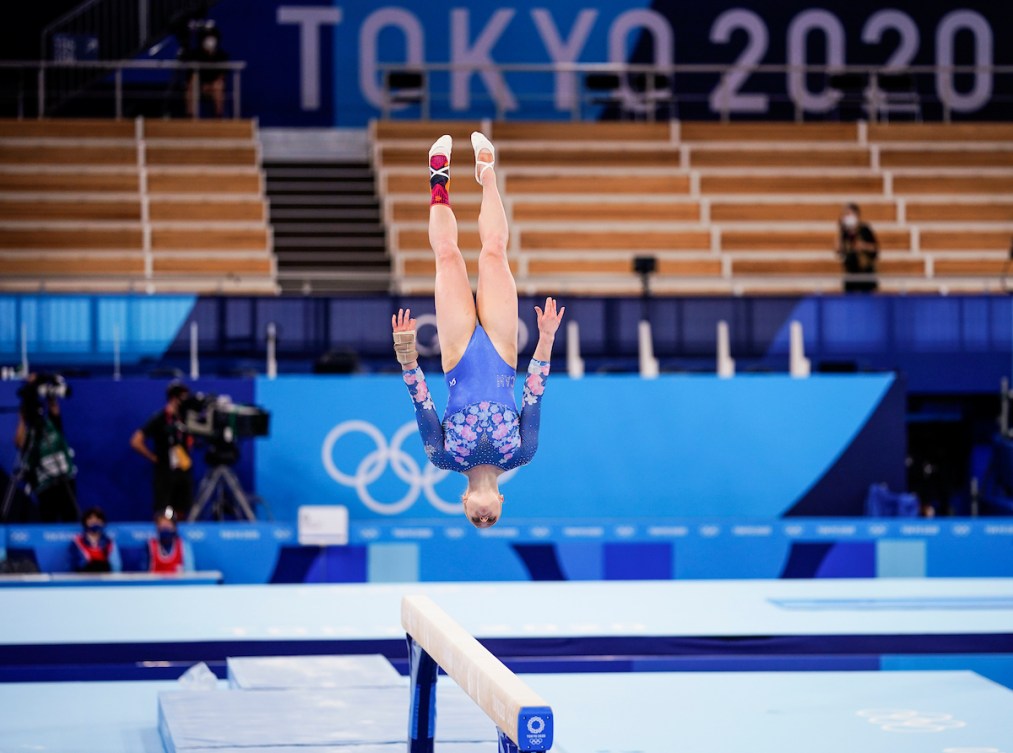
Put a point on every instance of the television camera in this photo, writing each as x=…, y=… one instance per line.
x=221, y=423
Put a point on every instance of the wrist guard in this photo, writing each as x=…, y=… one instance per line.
x=404, y=347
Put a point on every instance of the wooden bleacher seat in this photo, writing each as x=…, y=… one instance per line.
x=952, y=211
x=71, y=265
x=29, y=210
x=802, y=184
x=208, y=239
x=828, y=267
x=797, y=211
x=226, y=209
x=198, y=129
x=605, y=211
x=620, y=240
x=945, y=158
x=784, y=132
x=72, y=201
x=788, y=158
x=245, y=156
x=69, y=182
x=518, y=156
x=79, y=238
x=246, y=182
x=667, y=267
x=777, y=239
x=940, y=132
x=969, y=240
x=201, y=265
x=69, y=128
x=953, y=184
x=67, y=155
x=518, y=185
x=949, y=267
x=584, y=132
x=425, y=131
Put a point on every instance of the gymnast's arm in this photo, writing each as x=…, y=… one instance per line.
x=430, y=426
x=538, y=373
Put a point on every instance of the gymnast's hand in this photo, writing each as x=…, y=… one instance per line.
x=548, y=323
x=549, y=319
x=404, y=339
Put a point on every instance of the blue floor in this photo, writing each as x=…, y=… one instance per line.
x=849, y=624
x=903, y=712
x=38, y=616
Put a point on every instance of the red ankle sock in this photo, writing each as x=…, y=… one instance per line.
x=439, y=185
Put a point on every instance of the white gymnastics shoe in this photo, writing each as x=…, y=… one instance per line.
x=482, y=144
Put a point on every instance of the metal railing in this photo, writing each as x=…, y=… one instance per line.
x=803, y=91
x=116, y=28
x=30, y=93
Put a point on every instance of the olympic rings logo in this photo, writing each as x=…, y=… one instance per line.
x=419, y=479
x=911, y=721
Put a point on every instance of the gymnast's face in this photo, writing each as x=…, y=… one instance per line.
x=482, y=508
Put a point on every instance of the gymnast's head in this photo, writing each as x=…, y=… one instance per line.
x=482, y=506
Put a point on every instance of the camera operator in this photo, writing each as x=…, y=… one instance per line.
x=173, y=477
x=47, y=461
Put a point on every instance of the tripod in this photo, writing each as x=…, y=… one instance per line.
x=219, y=483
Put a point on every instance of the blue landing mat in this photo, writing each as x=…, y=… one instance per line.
x=275, y=672
x=196, y=721
x=789, y=712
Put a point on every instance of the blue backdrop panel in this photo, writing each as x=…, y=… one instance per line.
x=317, y=62
x=674, y=447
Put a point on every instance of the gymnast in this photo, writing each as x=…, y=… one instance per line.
x=481, y=435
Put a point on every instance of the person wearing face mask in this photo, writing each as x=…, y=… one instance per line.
x=858, y=250
x=168, y=552
x=211, y=81
x=92, y=551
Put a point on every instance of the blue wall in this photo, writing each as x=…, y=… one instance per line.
x=610, y=446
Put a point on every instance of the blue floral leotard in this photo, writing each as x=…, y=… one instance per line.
x=481, y=425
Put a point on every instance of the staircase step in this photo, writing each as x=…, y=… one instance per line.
x=321, y=200
x=319, y=186
x=309, y=173
x=329, y=242
x=328, y=225
x=333, y=214
x=327, y=259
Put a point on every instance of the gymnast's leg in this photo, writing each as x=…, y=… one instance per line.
x=455, y=306
x=497, y=291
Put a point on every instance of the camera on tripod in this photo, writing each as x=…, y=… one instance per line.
x=43, y=387
x=222, y=423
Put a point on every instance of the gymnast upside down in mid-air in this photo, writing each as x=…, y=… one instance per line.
x=482, y=435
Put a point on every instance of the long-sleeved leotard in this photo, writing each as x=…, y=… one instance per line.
x=480, y=431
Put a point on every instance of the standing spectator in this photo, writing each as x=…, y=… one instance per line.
x=858, y=250
x=211, y=81
x=173, y=477
x=167, y=551
x=91, y=551
x=47, y=461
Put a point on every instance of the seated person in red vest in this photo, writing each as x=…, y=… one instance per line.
x=167, y=551
x=91, y=551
